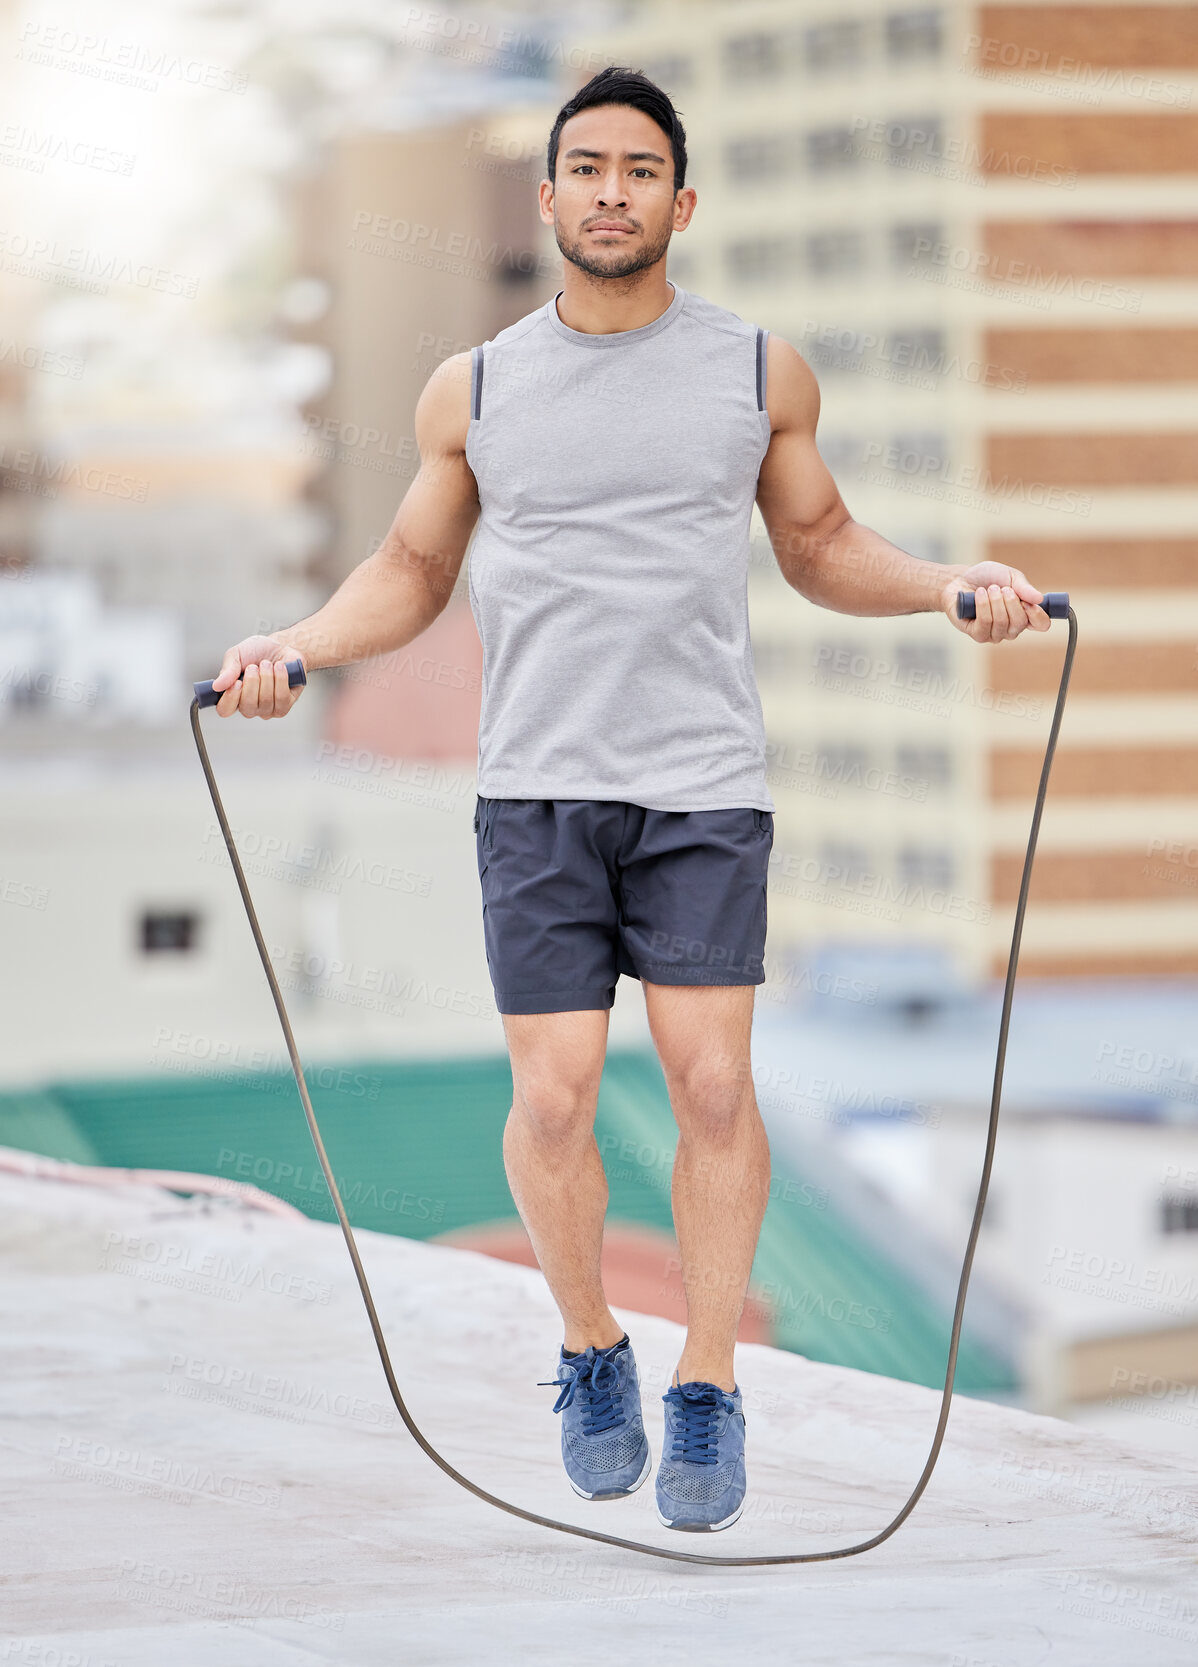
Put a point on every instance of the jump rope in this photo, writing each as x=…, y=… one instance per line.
x=1056, y=605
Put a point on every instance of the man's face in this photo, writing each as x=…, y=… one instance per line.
x=613, y=206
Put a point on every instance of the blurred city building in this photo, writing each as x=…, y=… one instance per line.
x=977, y=224
x=1086, y=1254
x=423, y=241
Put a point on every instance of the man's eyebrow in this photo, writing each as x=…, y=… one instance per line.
x=629, y=155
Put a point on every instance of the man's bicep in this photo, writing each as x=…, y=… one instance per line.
x=799, y=501
x=439, y=510
x=442, y=423
x=795, y=485
x=438, y=513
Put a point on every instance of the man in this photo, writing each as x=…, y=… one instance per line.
x=610, y=445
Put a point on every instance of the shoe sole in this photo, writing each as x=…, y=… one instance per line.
x=619, y=1493
x=701, y=1527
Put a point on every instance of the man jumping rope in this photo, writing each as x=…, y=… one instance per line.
x=610, y=446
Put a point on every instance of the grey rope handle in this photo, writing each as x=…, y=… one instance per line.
x=414, y=1429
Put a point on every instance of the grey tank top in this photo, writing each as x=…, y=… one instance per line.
x=609, y=567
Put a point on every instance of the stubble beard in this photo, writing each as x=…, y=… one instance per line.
x=610, y=263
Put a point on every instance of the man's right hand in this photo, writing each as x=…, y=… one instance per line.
x=253, y=679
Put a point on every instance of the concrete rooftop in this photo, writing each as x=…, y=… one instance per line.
x=202, y=1467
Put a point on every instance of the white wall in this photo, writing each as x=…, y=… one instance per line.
x=366, y=885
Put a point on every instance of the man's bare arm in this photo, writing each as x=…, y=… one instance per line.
x=839, y=563
x=397, y=592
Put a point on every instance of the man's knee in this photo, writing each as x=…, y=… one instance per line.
x=557, y=1108
x=711, y=1094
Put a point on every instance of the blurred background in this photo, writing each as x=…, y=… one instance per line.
x=236, y=239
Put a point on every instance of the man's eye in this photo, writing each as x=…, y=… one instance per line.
x=587, y=167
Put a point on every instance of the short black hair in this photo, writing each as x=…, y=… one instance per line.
x=614, y=85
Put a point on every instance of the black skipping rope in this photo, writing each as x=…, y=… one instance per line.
x=414, y=1429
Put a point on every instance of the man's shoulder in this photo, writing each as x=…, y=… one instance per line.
x=517, y=332
x=709, y=315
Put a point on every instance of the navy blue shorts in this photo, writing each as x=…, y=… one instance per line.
x=577, y=891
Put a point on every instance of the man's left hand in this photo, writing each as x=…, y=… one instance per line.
x=1006, y=602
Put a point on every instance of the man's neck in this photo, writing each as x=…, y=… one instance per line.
x=601, y=306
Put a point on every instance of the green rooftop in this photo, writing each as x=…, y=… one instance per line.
x=416, y=1149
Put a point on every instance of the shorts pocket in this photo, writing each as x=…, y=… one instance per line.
x=480, y=839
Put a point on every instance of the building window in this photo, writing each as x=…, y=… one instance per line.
x=169, y=932
x=518, y=269
x=845, y=765
x=914, y=243
x=830, y=254
x=759, y=258
x=923, y=659
x=909, y=141
x=843, y=862
x=753, y=57
x=842, y=452
x=764, y=156
x=831, y=150
x=682, y=266
x=833, y=45
x=933, y=766
x=835, y=658
x=914, y=35
x=1179, y=1212
x=671, y=73
x=844, y=353
x=773, y=658
x=925, y=546
x=920, y=455
x=29, y=691
x=933, y=866
x=917, y=350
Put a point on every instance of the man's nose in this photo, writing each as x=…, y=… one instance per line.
x=613, y=193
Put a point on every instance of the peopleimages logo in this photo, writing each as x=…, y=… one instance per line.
x=980, y=263
x=463, y=251
x=840, y=666
x=900, y=460
x=359, y=984
x=127, y=62
x=830, y=876
x=927, y=150
x=905, y=354
x=30, y=256
x=30, y=148
x=1032, y=66
x=43, y=359
x=316, y=859
x=48, y=474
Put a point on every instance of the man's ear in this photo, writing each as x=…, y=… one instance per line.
x=684, y=207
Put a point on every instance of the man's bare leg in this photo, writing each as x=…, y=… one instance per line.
x=722, y=1165
x=553, y=1163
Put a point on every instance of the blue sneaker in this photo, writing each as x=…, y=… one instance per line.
x=701, y=1481
x=604, y=1446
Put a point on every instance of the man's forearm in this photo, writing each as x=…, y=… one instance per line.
x=386, y=601
x=854, y=570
